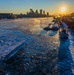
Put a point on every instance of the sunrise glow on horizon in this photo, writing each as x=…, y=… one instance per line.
x=51, y=6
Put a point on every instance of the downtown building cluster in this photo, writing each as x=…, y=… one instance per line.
x=31, y=13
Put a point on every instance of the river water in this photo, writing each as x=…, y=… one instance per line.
x=44, y=53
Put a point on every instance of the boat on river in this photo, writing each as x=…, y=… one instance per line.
x=54, y=27
x=47, y=28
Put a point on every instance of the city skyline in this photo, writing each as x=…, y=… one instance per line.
x=51, y=6
x=31, y=13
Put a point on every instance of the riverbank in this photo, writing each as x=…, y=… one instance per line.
x=69, y=21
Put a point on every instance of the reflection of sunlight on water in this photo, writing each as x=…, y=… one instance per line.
x=56, y=40
x=39, y=24
x=36, y=29
x=37, y=21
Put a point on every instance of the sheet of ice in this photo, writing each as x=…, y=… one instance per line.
x=10, y=39
x=39, y=41
x=37, y=45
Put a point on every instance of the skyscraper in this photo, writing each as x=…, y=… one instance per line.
x=47, y=13
x=31, y=11
x=36, y=12
x=41, y=11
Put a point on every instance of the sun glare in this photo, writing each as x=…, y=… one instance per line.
x=63, y=9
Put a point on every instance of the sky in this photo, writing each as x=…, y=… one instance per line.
x=22, y=6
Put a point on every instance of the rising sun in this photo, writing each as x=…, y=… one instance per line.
x=63, y=9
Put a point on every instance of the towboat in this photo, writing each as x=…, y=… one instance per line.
x=54, y=20
x=47, y=28
x=54, y=27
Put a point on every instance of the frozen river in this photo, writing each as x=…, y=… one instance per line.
x=44, y=53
